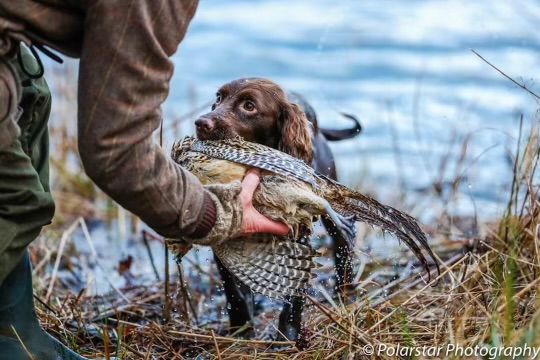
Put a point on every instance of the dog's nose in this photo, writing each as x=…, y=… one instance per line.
x=203, y=124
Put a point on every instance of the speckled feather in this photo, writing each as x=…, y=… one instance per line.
x=343, y=200
x=256, y=155
x=270, y=265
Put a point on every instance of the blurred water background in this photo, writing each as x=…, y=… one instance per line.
x=405, y=68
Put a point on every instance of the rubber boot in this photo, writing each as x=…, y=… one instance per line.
x=17, y=312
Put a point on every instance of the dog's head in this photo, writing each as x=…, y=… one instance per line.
x=257, y=110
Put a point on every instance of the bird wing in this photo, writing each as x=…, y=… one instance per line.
x=270, y=265
x=256, y=155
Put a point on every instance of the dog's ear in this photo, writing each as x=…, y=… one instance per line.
x=295, y=138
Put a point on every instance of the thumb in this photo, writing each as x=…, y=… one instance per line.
x=251, y=181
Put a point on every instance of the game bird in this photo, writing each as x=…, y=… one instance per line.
x=294, y=193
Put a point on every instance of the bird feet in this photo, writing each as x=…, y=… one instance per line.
x=345, y=225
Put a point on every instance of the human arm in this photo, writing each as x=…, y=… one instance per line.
x=125, y=72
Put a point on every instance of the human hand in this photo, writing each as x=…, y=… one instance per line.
x=252, y=220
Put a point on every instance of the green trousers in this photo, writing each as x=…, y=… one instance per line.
x=26, y=204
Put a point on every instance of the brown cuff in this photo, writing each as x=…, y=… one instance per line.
x=207, y=218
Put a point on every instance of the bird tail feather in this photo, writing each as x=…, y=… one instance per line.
x=350, y=203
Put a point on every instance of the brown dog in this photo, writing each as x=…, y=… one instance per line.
x=259, y=111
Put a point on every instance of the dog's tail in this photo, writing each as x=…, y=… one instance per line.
x=343, y=134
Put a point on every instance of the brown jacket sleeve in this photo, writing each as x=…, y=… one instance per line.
x=124, y=77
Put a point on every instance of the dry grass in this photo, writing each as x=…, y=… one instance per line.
x=486, y=293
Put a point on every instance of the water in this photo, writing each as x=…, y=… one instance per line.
x=405, y=68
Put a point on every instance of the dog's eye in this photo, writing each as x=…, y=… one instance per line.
x=217, y=102
x=249, y=106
